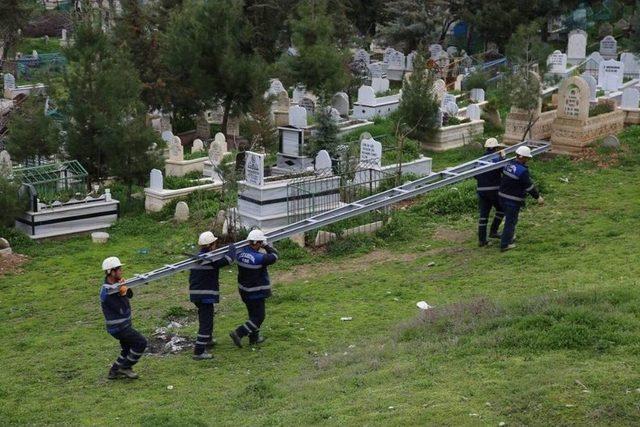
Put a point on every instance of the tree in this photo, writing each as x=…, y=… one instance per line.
x=418, y=107
x=32, y=134
x=325, y=136
x=14, y=16
x=525, y=47
x=523, y=92
x=136, y=35
x=135, y=153
x=415, y=22
x=10, y=206
x=209, y=70
x=102, y=104
x=259, y=127
x=320, y=65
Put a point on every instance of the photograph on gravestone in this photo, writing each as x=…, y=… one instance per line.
x=254, y=168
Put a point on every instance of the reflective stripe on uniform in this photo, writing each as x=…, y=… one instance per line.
x=135, y=352
x=203, y=292
x=507, y=196
x=204, y=336
x=257, y=288
x=497, y=187
x=202, y=342
x=118, y=321
x=249, y=266
x=510, y=175
x=530, y=188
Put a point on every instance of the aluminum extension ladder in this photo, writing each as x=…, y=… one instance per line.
x=405, y=191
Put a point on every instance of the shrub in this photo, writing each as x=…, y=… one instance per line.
x=457, y=200
x=477, y=80
x=600, y=109
x=10, y=205
x=355, y=244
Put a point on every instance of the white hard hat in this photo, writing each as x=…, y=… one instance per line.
x=206, y=238
x=110, y=263
x=492, y=143
x=256, y=236
x=524, y=151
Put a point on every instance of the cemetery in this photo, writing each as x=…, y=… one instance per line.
x=356, y=137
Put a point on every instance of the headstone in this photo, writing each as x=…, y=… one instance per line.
x=376, y=70
x=366, y=95
x=182, y=212
x=5, y=247
x=282, y=101
x=592, y=65
x=276, y=87
x=458, y=83
x=611, y=141
x=364, y=135
x=176, y=150
x=340, y=101
x=254, y=168
x=6, y=165
x=435, y=50
x=447, y=98
x=396, y=60
x=593, y=86
x=630, y=98
x=297, y=117
x=63, y=35
x=609, y=47
x=387, y=53
x=9, y=81
x=573, y=99
x=622, y=25
x=451, y=108
x=410, y=58
x=452, y=51
x=557, y=62
x=198, y=146
x=440, y=89
x=440, y=117
x=577, y=46
x=379, y=85
x=473, y=112
x=156, y=180
x=371, y=152
x=631, y=65
x=308, y=104
x=167, y=136
x=99, y=237
x=323, y=161
x=217, y=149
x=335, y=114
x=476, y=95
x=299, y=92
x=363, y=56
x=610, y=75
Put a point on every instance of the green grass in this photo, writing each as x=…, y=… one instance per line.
x=545, y=334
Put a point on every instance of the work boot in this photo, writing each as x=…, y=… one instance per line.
x=128, y=372
x=253, y=340
x=511, y=246
x=237, y=339
x=482, y=244
x=202, y=356
x=114, y=374
x=495, y=235
x=211, y=343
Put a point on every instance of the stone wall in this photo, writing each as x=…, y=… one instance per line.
x=517, y=122
x=449, y=137
x=572, y=136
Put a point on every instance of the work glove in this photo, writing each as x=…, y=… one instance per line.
x=270, y=249
x=122, y=290
x=231, y=251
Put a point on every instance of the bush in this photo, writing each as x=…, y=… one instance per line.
x=355, y=244
x=457, y=200
x=477, y=80
x=17, y=239
x=10, y=205
x=600, y=109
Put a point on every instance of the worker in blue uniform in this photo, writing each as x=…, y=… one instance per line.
x=114, y=300
x=488, y=186
x=254, y=285
x=514, y=187
x=204, y=292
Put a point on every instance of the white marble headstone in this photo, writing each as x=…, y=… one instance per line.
x=9, y=81
x=176, y=150
x=440, y=89
x=477, y=95
x=557, y=62
x=297, y=117
x=410, y=58
x=218, y=148
x=362, y=55
x=366, y=95
x=473, y=112
x=340, y=101
x=254, y=168
x=452, y=50
x=435, y=50
x=376, y=69
x=577, y=46
x=593, y=85
x=630, y=98
x=167, y=136
x=156, y=181
x=198, y=145
x=457, y=85
x=610, y=75
x=396, y=60
x=631, y=65
x=371, y=152
x=609, y=47
x=276, y=87
x=299, y=92
x=323, y=161
x=379, y=85
x=387, y=53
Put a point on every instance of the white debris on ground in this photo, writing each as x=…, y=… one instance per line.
x=169, y=342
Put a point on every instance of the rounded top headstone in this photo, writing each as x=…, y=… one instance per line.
x=611, y=141
x=4, y=243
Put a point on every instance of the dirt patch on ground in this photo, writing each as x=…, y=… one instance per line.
x=12, y=263
x=604, y=161
x=445, y=234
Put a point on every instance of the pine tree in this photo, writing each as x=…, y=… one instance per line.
x=32, y=134
x=14, y=15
